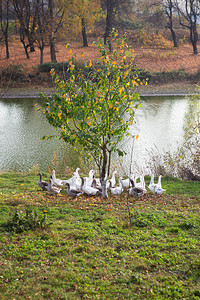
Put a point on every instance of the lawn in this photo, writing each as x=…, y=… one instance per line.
x=91, y=248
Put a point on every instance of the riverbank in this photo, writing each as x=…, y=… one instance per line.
x=170, y=71
x=167, y=89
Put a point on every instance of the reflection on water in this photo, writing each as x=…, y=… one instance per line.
x=21, y=130
x=158, y=122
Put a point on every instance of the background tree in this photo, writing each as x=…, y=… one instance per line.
x=90, y=109
x=4, y=22
x=111, y=7
x=81, y=15
x=169, y=12
x=150, y=13
x=55, y=14
x=188, y=12
x=41, y=32
x=26, y=12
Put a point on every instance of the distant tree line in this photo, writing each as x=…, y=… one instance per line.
x=40, y=22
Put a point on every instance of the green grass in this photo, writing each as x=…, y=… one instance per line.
x=89, y=250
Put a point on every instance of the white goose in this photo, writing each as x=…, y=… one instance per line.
x=126, y=182
x=89, y=190
x=89, y=179
x=53, y=190
x=78, y=181
x=159, y=190
x=156, y=188
x=111, y=182
x=70, y=181
x=73, y=182
x=152, y=185
x=117, y=190
x=94, y=185
x=98, y=181
x=140, y=184
x=56, y=181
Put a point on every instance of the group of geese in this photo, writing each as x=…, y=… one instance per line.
x=77, y=185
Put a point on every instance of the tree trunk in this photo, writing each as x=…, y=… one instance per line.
x=103, y=172
x=25, y=48
x=85, y=43
x=52, y=41
x=53, y=50
x=22, y=39
x=4, y=24
x=26, y=51
x=7, y=48
x=31, y=43
x=194, y=39
x=174, y=37
x=109, y=24
x=41, y=55
x=105, y=160
x=104, y=189
x=32, y=48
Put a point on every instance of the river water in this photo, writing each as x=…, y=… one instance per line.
x=159, y=124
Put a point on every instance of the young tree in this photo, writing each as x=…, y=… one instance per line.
x=90, y=109
x=189, y=12
x=4, y=22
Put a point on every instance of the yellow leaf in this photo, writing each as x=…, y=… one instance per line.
x=137, y=136
x=126, y=74
x=121, y=90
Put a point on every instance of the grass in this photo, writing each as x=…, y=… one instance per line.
x=88, y=249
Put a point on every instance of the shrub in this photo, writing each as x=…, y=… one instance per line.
x=13, y=73
x=150, y=39
x=58, y=67
x=31, y=220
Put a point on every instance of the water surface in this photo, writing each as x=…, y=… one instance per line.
x=159, y=124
